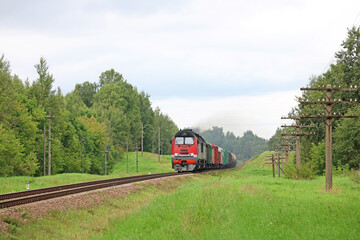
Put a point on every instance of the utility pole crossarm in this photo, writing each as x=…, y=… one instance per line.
x=291, y=117
x=300, y=126
x=298, y=134
x=330, y=102
x=329, y=117
x=325, y=88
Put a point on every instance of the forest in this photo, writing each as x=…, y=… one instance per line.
x=344, y=72
x=244, y=147
x=110, y=110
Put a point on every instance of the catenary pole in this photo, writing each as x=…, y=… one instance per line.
x=44, y=148
x=49, y=154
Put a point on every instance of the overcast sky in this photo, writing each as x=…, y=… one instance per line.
x=234, y=64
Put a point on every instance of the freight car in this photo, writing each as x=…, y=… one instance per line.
x=190, y=152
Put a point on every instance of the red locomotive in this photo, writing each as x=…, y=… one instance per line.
x=190, y=152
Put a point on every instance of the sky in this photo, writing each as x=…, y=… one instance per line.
x=232, y=63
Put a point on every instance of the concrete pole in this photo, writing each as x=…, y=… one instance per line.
x=105, y=167
x=127, y=156
x=44, y=149
x=137, y=159
x=298, y=163
x=328, y=142
x=152, y=142
x=82, y=155
x=159, y=145
x=142, y=139
x=49, y=166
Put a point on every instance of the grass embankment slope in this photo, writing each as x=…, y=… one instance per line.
x=245, y=203
x=147, y=163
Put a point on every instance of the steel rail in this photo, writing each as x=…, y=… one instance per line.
x=24, y=197
x=62, y=187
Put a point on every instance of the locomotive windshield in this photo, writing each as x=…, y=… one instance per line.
x=184, y=140
x=189, y=140
x=179, y=140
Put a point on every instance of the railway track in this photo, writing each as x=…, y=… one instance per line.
x=24, y=197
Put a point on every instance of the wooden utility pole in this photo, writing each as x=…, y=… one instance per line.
x=159, y=145
x=272, y=159
x=273, y=164
x=298, y=163
x=277, y=161
x=297, y=127
x=105, y=163
x=329, y=92
x=287, y=150
x=44, y=148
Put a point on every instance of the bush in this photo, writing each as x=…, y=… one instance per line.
x=355, y=176
x=341, y=170
x=305, y=172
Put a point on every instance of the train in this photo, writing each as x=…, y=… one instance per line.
x=190, y=152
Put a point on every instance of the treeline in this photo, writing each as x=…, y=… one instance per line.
x=79, y=121
x=345, y=72
x=244, y=147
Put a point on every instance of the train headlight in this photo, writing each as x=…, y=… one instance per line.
x=176, y=154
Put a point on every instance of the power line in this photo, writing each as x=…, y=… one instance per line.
x=355, y=23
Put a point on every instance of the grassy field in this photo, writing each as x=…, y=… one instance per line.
x=245, y=203
x=147, y=163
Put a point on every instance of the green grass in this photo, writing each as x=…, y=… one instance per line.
x=147, y=163
x=246, y=203
x=84, y=223
x=13, y=184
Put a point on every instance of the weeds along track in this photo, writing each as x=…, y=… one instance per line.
x=24, y=197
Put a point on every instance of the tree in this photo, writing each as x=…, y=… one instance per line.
x=317, y=154
x=42, y=87
x=110, y=76
x=86, y=91
x=18, y=129
x=347, y=143
x=147, y=119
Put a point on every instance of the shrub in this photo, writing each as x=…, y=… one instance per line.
x=305, y=172
x=355, y=176
x=341, y=170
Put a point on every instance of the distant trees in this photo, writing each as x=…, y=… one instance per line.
x=79, y=121
x=244, y=147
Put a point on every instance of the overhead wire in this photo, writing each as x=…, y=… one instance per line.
x=355, y=23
